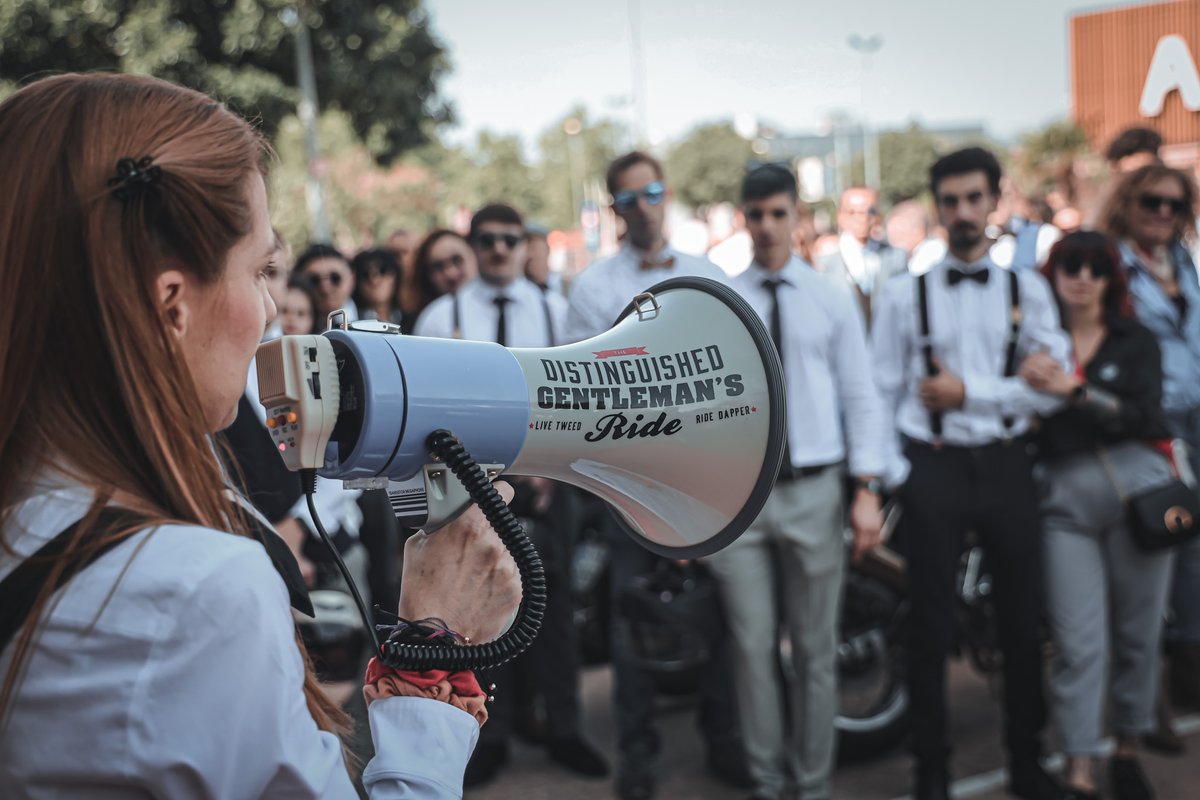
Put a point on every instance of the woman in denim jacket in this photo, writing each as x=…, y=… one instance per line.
x=1150, y=213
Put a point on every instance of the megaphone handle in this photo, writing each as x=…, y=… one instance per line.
x=419, y=656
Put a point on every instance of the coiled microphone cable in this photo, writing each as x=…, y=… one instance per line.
x=410, y=655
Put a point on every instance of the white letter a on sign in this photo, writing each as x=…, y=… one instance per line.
x=1171, y=68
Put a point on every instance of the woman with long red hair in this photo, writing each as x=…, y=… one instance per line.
x=148, y=649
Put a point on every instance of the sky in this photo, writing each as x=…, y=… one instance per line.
x=520, y=65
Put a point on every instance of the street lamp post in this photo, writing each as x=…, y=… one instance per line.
x=306, y=110
x=867, y=47
x=572, y=127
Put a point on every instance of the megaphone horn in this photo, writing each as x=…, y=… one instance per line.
x=675, y=416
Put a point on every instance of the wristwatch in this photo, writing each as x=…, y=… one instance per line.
x=872, y=485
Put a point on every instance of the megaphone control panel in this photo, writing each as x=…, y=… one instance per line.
x=299, y=388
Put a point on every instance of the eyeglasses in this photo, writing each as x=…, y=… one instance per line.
x=317, y=278
x=457, y=261
x=489, y=240
x=757, y=214
x=1155, y=202
x=627, y=199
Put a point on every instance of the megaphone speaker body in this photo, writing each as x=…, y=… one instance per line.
x=675, y=416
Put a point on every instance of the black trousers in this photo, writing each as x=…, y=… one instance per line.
x=551, y=664
x=991, y=491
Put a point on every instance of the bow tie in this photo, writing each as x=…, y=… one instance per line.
x=955, y=276
x=656, y=263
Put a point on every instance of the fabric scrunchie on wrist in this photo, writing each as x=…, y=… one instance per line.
x=459, y=689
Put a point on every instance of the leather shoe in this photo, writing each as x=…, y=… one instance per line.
x=635, y=782
x=578, y=755
x=932, y=782
x=1128, y=781
x=485, y=763
x=1030, y=781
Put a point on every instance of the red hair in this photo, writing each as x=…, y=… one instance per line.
x=1100, y=254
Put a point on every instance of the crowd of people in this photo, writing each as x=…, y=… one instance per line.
x=1014, y=376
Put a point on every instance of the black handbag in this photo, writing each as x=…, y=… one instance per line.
x=1160, y=517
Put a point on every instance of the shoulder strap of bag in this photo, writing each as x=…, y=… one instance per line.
x=935, y=417
x=20, y=589
x=1014, y=333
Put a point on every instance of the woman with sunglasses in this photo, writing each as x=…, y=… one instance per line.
x=1104, y=596
x=149, y=650
x=442, y=263
x=1152, y=212
x=376, y=275
x=329, y=273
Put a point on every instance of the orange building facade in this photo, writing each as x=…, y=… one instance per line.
x=1139, y=66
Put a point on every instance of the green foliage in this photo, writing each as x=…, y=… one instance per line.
x=904, y=161
x=378, y=62
x=569, y=162
x=1045, y=153
x=708, y=165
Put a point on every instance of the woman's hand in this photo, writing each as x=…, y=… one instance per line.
x=1044, y=374
x=463, y=575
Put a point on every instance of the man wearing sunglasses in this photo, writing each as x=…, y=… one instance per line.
x=329, y=273
x=863, y=261
x=598, y=295
x=794, y=550
x=946, y=345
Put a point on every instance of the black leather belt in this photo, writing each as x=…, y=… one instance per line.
x=799, y=473
x=992, y=446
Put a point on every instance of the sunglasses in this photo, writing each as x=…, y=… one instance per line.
x=371, y=271
x=757, y=214
x=627, y=199
x=1097, y=271
x=488, y=240
x=1155, y=202
x=441, y=265
x=315, y=279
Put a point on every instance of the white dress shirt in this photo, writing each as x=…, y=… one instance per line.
x=524, y=317
x=169, y=668
x=969, y=327
x=603, y=290
x=826, y=365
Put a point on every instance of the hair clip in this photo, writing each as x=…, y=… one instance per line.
x=134, y=176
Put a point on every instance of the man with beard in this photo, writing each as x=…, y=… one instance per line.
x=947, y=345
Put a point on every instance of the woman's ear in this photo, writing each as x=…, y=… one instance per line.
x=171, y=287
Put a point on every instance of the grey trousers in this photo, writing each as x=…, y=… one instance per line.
x=1105, y=597
x=787, y=567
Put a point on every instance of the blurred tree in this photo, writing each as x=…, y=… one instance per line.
x=1045, y=156
x=904, y=160
x=707, y=166
x=571, y=160
x=380, y=62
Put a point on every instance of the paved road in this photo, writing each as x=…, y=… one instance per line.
x=977, y=764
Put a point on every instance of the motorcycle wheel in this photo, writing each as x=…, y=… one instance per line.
x=873, y=713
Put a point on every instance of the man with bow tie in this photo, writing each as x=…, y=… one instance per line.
x=946, y=345
x=598, y=295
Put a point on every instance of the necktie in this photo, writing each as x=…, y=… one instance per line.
x=501, y=320
x=955, y=276
x=772, y=286
x=655, y=263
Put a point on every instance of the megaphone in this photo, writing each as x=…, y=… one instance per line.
x=675, y=416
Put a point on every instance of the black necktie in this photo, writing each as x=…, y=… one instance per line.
x=501, y=320
x=772, y=286
x=955, y=276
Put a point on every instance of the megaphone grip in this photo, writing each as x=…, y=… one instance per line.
x=410, y=655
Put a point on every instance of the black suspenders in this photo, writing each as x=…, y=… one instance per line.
x=1010, y=352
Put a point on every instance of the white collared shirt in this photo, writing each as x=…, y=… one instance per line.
x=969, y=328
x=169, y=668
x=525, y=317
x=826, y=364
x=602, y=291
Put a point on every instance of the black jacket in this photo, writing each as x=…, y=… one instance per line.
x=1128, y=365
